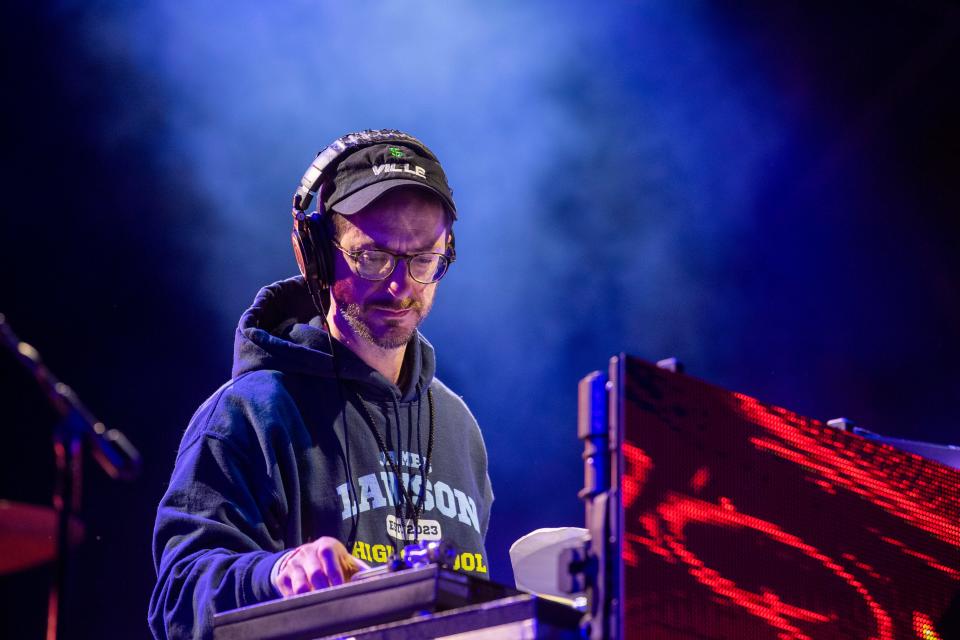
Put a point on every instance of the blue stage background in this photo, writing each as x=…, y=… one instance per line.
x=765, y=192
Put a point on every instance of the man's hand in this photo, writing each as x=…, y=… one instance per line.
x=322, y=563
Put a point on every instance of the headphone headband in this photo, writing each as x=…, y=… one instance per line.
x=315, y=174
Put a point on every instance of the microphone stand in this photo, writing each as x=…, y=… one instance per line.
x=77, y=427
x=68, y=453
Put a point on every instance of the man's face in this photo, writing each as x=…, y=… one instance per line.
x=387, y=312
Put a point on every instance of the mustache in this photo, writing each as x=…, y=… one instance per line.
x=395, y=305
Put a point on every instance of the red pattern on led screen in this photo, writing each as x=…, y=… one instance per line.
x=809, y=533
x=678, y=511
x=923, y=627
x=638, y=465
x=798, y=441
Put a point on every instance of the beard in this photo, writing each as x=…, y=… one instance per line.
x=393, y=334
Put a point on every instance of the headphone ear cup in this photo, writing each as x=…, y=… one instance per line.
x=303, y=252
x=321, y=250
x=452, y=246
x=312, y=262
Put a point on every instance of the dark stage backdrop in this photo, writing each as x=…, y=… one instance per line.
x=766, y=192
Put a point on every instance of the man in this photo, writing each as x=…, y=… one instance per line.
x=333, y=446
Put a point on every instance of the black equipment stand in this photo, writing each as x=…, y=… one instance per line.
x=77, y=428
x=68, y=452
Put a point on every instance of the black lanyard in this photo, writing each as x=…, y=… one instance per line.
x=410, y=509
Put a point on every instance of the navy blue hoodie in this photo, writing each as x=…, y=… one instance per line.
x=282, y=455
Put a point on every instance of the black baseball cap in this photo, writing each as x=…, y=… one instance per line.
x=369, y=172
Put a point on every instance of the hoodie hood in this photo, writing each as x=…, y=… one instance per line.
x=282, y=331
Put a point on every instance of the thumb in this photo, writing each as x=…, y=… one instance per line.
x=352, y=565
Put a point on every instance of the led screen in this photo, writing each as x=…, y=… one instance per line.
x=745, y=520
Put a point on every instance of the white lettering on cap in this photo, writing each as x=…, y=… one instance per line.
x=420, y=172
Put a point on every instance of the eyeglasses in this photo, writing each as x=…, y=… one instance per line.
x=377, y=264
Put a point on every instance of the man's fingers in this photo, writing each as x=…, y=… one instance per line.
x=316, y=573
x=298, y=579
x=285, y=585
x=328, y=559
x=319, y=579
x=317, y=565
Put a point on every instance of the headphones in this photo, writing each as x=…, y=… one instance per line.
x=311, y=237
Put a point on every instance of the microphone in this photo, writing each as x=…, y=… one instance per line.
x=110, y=448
